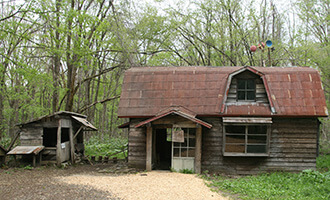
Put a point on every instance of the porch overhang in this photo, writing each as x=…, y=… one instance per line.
x=175, y=112
x=85, y=123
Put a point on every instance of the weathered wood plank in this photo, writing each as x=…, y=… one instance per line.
x=198, y=150
x=149, y=149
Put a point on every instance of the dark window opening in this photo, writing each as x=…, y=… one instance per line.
x=246, y=139
x=49, y=138
x=246, y=90
x=65, y=135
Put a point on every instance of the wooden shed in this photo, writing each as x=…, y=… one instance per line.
x=234, y=120
x=54, y=138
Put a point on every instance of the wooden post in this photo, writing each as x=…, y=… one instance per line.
x=34, y=160
x=71, y=144
x=198, y=149
x=149, y=148
x=58, y=145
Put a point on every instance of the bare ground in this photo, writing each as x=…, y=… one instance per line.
x=100, y=181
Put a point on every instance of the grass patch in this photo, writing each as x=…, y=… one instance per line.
x=106, y=147
x=309, y=184
x=323, y=163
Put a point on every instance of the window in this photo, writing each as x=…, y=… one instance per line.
x=186, y=148
x=246, y=140
x=246, y=90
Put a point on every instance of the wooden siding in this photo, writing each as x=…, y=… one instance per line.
x=293, y=147
x=136, y=145
x=31, y=136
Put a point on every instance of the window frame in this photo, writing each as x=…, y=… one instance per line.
x=189, y=133
x=245, y=90
x=246, y=154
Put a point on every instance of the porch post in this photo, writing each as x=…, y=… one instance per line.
x=71, y=144
x=58, y=145
x=149, y=148
x=198, y=149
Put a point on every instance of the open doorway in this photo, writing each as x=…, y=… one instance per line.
x=163, y=150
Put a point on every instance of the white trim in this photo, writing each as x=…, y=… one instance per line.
x=250, y=120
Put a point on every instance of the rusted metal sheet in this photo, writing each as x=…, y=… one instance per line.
x=291, y=91
x=24, y=150
x=84, y=122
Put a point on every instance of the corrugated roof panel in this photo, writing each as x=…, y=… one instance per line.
x=25, y=150
x=146, y=90
x=84, y=122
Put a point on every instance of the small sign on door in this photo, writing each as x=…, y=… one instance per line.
x=177, y=135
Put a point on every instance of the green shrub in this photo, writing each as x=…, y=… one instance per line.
x=106, y=147
x=187, y=171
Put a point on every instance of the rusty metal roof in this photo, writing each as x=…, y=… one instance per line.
x=292, y=91
x=84, y=122
x=22, y=150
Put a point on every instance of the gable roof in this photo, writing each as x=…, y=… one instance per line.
x=177, y=111
x=292, y=91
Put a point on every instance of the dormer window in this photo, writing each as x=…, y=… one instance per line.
x=246, y=90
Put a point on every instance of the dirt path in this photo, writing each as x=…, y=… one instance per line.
x=85, y=182
x=151, y=185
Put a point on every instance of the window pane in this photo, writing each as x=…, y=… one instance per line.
x=184, y=152
x=176, y=144
x=192, y=142
x=176, y=152
x=257, y=139
x=240, y=95
x=257, y=130
x=256, y=149
x=192, y=132
x=235, y=139
x=185, y=143
x=250, y=95
x=250, y=84
x=235, y=129
x=191, y=152
x=241, y=84
x=235, y=148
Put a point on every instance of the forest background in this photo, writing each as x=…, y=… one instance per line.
x=71, y=54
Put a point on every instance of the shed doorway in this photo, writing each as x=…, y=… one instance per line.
x=162, y=150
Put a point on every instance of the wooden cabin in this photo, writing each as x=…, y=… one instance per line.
x=233, y=120
x=54, y=138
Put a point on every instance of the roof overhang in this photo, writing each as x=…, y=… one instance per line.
x=178, y=112
x=84, y=123
x=124, y=125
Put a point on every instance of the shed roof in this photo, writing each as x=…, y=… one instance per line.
x=81, y=119
x=293, y=91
